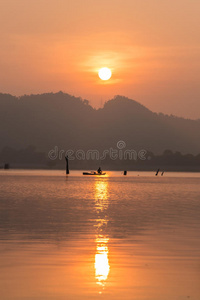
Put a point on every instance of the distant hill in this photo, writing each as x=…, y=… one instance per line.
x=68, y=122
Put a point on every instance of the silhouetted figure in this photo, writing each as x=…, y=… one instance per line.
x=67, y=165
x=157, y=172
x=6, y=166
x=99, y=170
x=125, y=173
x=162, y=173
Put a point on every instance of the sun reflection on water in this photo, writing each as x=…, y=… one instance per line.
x=102, y=266
x=101, y=195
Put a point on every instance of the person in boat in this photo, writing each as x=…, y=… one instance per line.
x=99, y=170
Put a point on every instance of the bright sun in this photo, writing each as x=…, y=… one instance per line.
x=105, y=73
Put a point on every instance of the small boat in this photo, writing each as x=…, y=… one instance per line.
x=94, y=173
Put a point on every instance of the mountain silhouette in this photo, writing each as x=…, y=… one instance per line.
x=68, y=122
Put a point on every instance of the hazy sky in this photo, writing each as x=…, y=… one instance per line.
x=151, y=46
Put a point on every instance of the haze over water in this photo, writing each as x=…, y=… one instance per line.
x=113, y=237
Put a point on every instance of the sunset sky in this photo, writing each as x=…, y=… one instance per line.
x=152, y=48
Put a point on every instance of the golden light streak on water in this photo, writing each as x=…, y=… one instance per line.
x=102, y=266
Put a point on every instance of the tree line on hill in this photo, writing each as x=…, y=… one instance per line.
x=31, y=158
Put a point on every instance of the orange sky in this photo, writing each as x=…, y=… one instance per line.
x=152, y=48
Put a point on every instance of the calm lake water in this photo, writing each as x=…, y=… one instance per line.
x=113, y=237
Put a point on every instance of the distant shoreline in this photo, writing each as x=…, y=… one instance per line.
x=139, y=169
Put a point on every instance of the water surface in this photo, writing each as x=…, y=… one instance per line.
x=113, y=237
